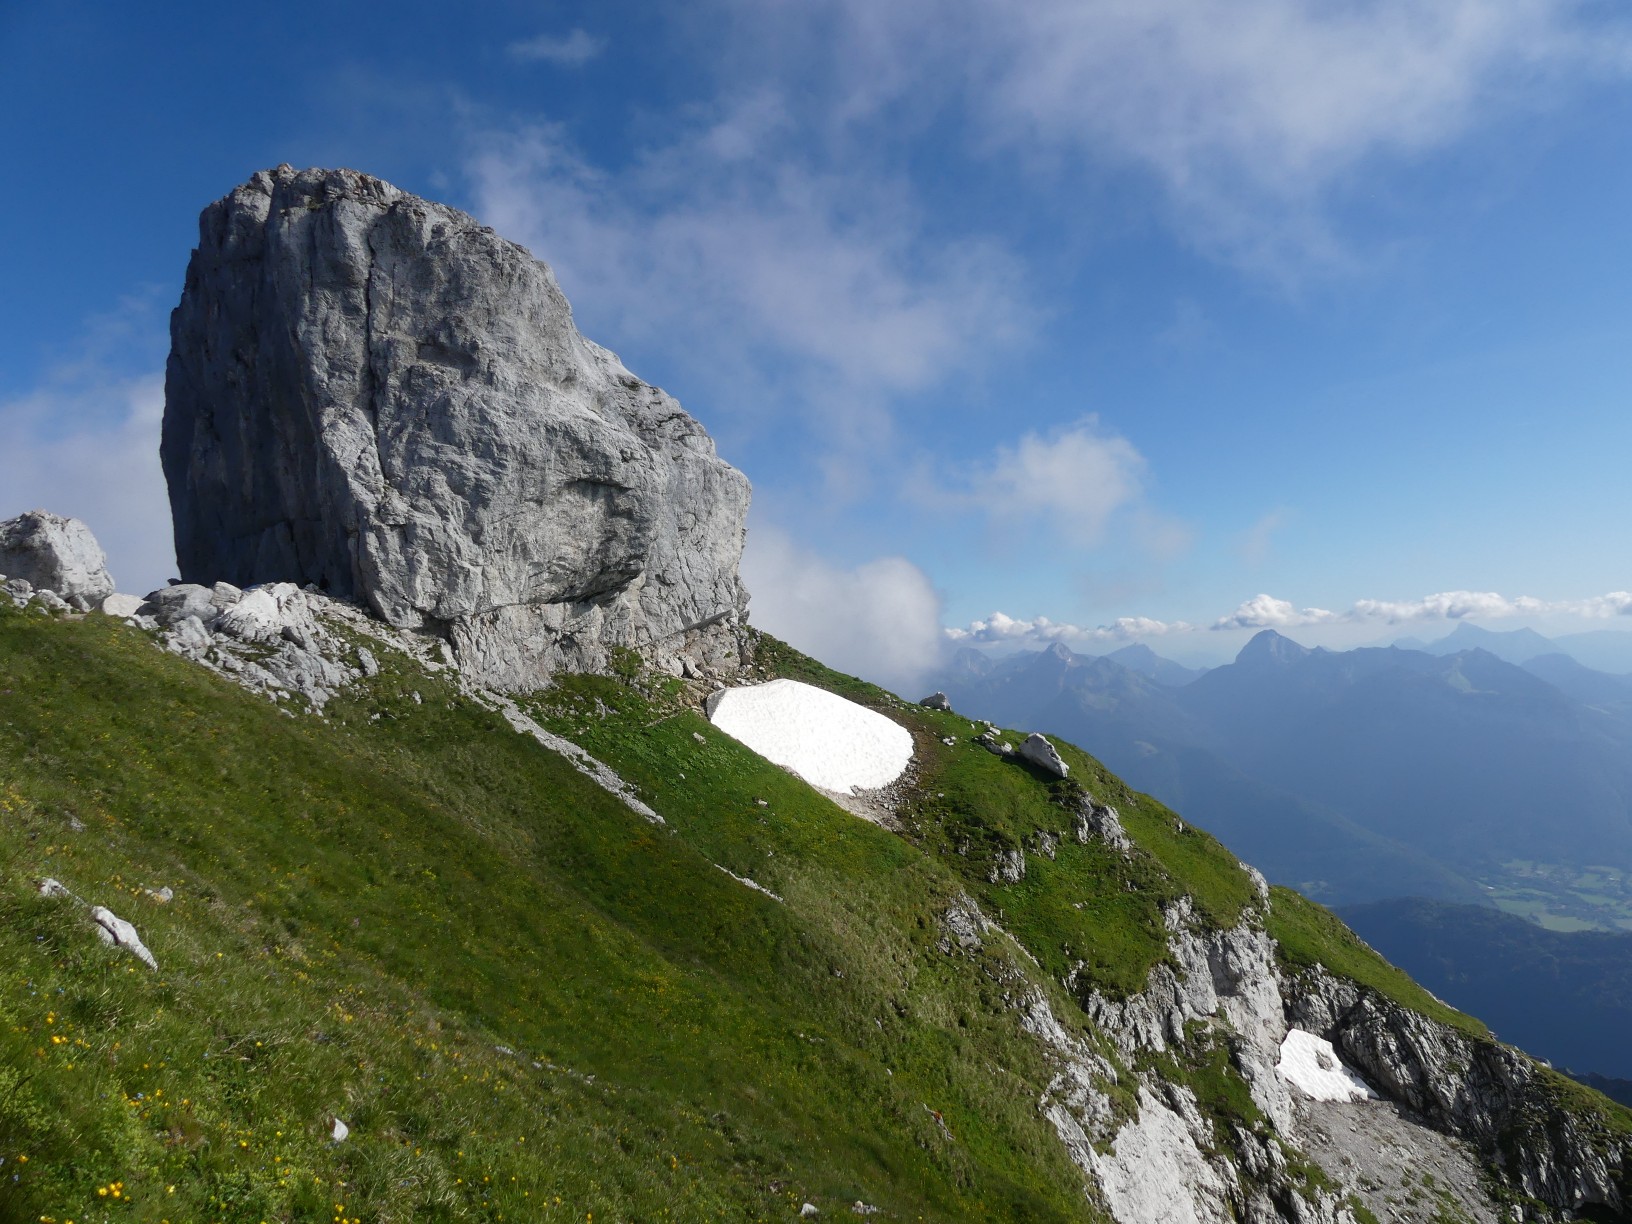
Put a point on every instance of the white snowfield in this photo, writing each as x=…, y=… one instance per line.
x=829, y=742
x=1310, y=1063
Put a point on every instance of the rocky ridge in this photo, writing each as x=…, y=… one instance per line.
x=373, y=394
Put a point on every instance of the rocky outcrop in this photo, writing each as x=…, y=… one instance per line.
x=374, y=394
x=1511, y=1109
x=55, y=554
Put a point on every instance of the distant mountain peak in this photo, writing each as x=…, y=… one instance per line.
x=1270, y=647
x=1512, y=645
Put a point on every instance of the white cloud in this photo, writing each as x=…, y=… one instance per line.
x=768, y=281
x=565, y=50
x=1072, y=479
x=880, y=620
x=1488, y=605
x=1002, y=628
x=84, y=440
x=1267, y=612
x=88, y=447
x=1251, y=114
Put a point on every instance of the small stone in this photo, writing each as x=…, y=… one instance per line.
x=367, y=661
x=807, y=1210
x=339, y=1131
x=115, y=931
x=53, y=888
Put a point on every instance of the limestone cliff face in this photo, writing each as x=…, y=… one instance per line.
x=375, y=394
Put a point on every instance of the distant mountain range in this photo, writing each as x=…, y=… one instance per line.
x=1352, y=775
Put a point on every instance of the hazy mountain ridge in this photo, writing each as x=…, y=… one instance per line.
x=1459, y=759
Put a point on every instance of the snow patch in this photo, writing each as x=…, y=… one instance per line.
x=1310, y=1063
x=828, y=741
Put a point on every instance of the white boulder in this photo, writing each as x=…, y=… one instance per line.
x=56, y=554
x=122, y=605
x=1044, y=755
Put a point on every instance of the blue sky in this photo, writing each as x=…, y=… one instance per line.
x=1070, y=310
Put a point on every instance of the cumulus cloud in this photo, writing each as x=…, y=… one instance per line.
x=569, y=50
x=1267, y=612
x=765, y=278
x=880, y=620
x=1249, y=113
x=1000, y=628
x=88, y=447
x=1072, y=479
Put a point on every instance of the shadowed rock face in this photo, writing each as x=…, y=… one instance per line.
x=373, y=393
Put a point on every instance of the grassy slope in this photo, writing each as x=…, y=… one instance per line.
x=367, y=908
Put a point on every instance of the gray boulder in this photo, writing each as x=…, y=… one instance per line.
x=936, y=701
x=56, y=554
x=375, y=394
x=173, y=604
x=1043, y=754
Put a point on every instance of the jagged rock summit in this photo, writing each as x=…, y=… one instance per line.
x=377, y=395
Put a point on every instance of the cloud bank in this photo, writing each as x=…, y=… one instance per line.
x=1268, y=612
x=880, y=620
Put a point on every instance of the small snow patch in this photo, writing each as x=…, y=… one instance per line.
x=829, y=742
x=1310, y=1063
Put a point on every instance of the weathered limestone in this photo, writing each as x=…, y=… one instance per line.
x=373, y=393
x=1043, y=754
x=57, y=554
